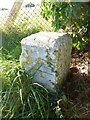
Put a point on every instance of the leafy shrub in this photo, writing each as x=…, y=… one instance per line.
x=71, y=17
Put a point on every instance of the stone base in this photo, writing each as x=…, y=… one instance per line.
x=47, y=56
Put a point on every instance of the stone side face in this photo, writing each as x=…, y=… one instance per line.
x=47, y=56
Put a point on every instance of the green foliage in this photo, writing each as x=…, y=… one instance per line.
x=71, y=17
x=20, y=97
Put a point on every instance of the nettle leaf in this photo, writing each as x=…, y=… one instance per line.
x=78, y=46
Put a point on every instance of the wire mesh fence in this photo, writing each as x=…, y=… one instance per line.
x=15, y=24
x=28, y=17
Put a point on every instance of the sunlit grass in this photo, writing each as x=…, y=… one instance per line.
x=20, y=97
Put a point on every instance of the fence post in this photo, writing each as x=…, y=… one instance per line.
x=13, y=13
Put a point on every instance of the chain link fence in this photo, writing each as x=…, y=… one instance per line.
x=27, y=17
x=17, y=23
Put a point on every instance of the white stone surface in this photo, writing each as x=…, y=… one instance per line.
x=47, y=56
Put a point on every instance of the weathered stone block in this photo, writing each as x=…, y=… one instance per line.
x=47, y=56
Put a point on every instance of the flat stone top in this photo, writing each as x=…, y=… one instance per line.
x=42, y=38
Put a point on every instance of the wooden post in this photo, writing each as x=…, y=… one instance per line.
x=13, y=13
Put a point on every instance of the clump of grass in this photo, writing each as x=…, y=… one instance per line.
x=20, y=97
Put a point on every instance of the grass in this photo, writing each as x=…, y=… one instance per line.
x=20, y=97
x=23, y=99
